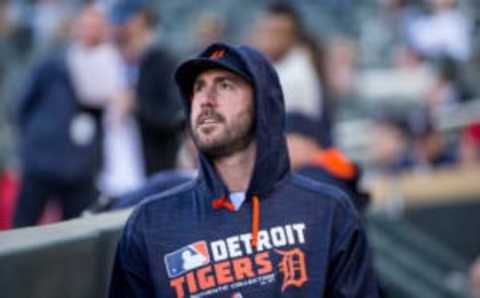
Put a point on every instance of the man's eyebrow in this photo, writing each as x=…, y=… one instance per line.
x=229, y=77
x=221, y=78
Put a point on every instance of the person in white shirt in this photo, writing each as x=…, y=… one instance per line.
x=278, y=34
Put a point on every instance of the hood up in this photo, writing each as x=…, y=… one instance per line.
x=272, y=161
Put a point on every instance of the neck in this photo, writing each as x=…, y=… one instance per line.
x=237, y=169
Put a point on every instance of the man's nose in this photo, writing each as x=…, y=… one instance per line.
x=209, y=97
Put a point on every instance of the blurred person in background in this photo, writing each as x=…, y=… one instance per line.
x=390, y=145
x=209, y=28
x=341, y=74
x=326, y=120
x=385, y=29
x=446, y=31
x=48, y=16
x=430, y=149
x=327, y=165
x=419, y=72
x=59, y=117
x=280, y=34
x=16, y=33
x=470, y=144
x=448, y=89
x=150, y=68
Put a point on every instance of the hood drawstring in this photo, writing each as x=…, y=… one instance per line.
x=223, y=203
x=228, y=205
x=255, y=219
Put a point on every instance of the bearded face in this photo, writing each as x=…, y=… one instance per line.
x=222, y=113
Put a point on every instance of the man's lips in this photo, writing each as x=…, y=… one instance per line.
x=208, y=119
x=207, y=125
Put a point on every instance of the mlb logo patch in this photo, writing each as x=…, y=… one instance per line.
x=187, y=258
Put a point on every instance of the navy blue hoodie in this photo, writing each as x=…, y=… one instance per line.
x=310, y=241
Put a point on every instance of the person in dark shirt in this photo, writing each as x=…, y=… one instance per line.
x=59, y=123
x=246, y=226
x=150, y=67
x=329, y=165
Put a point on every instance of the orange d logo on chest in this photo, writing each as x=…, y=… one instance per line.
x=293, y=268
x=217, y=54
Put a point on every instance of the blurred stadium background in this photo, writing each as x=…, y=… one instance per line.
x=390, y=64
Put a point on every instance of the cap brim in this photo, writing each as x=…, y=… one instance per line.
x=188, y=71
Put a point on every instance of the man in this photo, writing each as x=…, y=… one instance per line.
x=259, y=230
x=150, y=71
x=59, y=115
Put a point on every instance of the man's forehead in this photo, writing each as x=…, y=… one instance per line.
x=215, y=73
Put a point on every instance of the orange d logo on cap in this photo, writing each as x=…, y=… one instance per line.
x=217, y=54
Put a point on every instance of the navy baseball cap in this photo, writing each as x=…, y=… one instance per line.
x=218, y=55
x=299, y=123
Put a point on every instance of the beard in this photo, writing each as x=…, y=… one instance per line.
x=232, y=137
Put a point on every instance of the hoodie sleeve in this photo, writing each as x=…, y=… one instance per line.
x=130, y=276
x=351, y=271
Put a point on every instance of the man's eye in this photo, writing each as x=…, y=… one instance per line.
x=197, y=87
x=225, y=85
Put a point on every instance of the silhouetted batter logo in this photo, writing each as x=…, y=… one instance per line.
x=293, y=268
x=217, y=54
x=187, y=258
